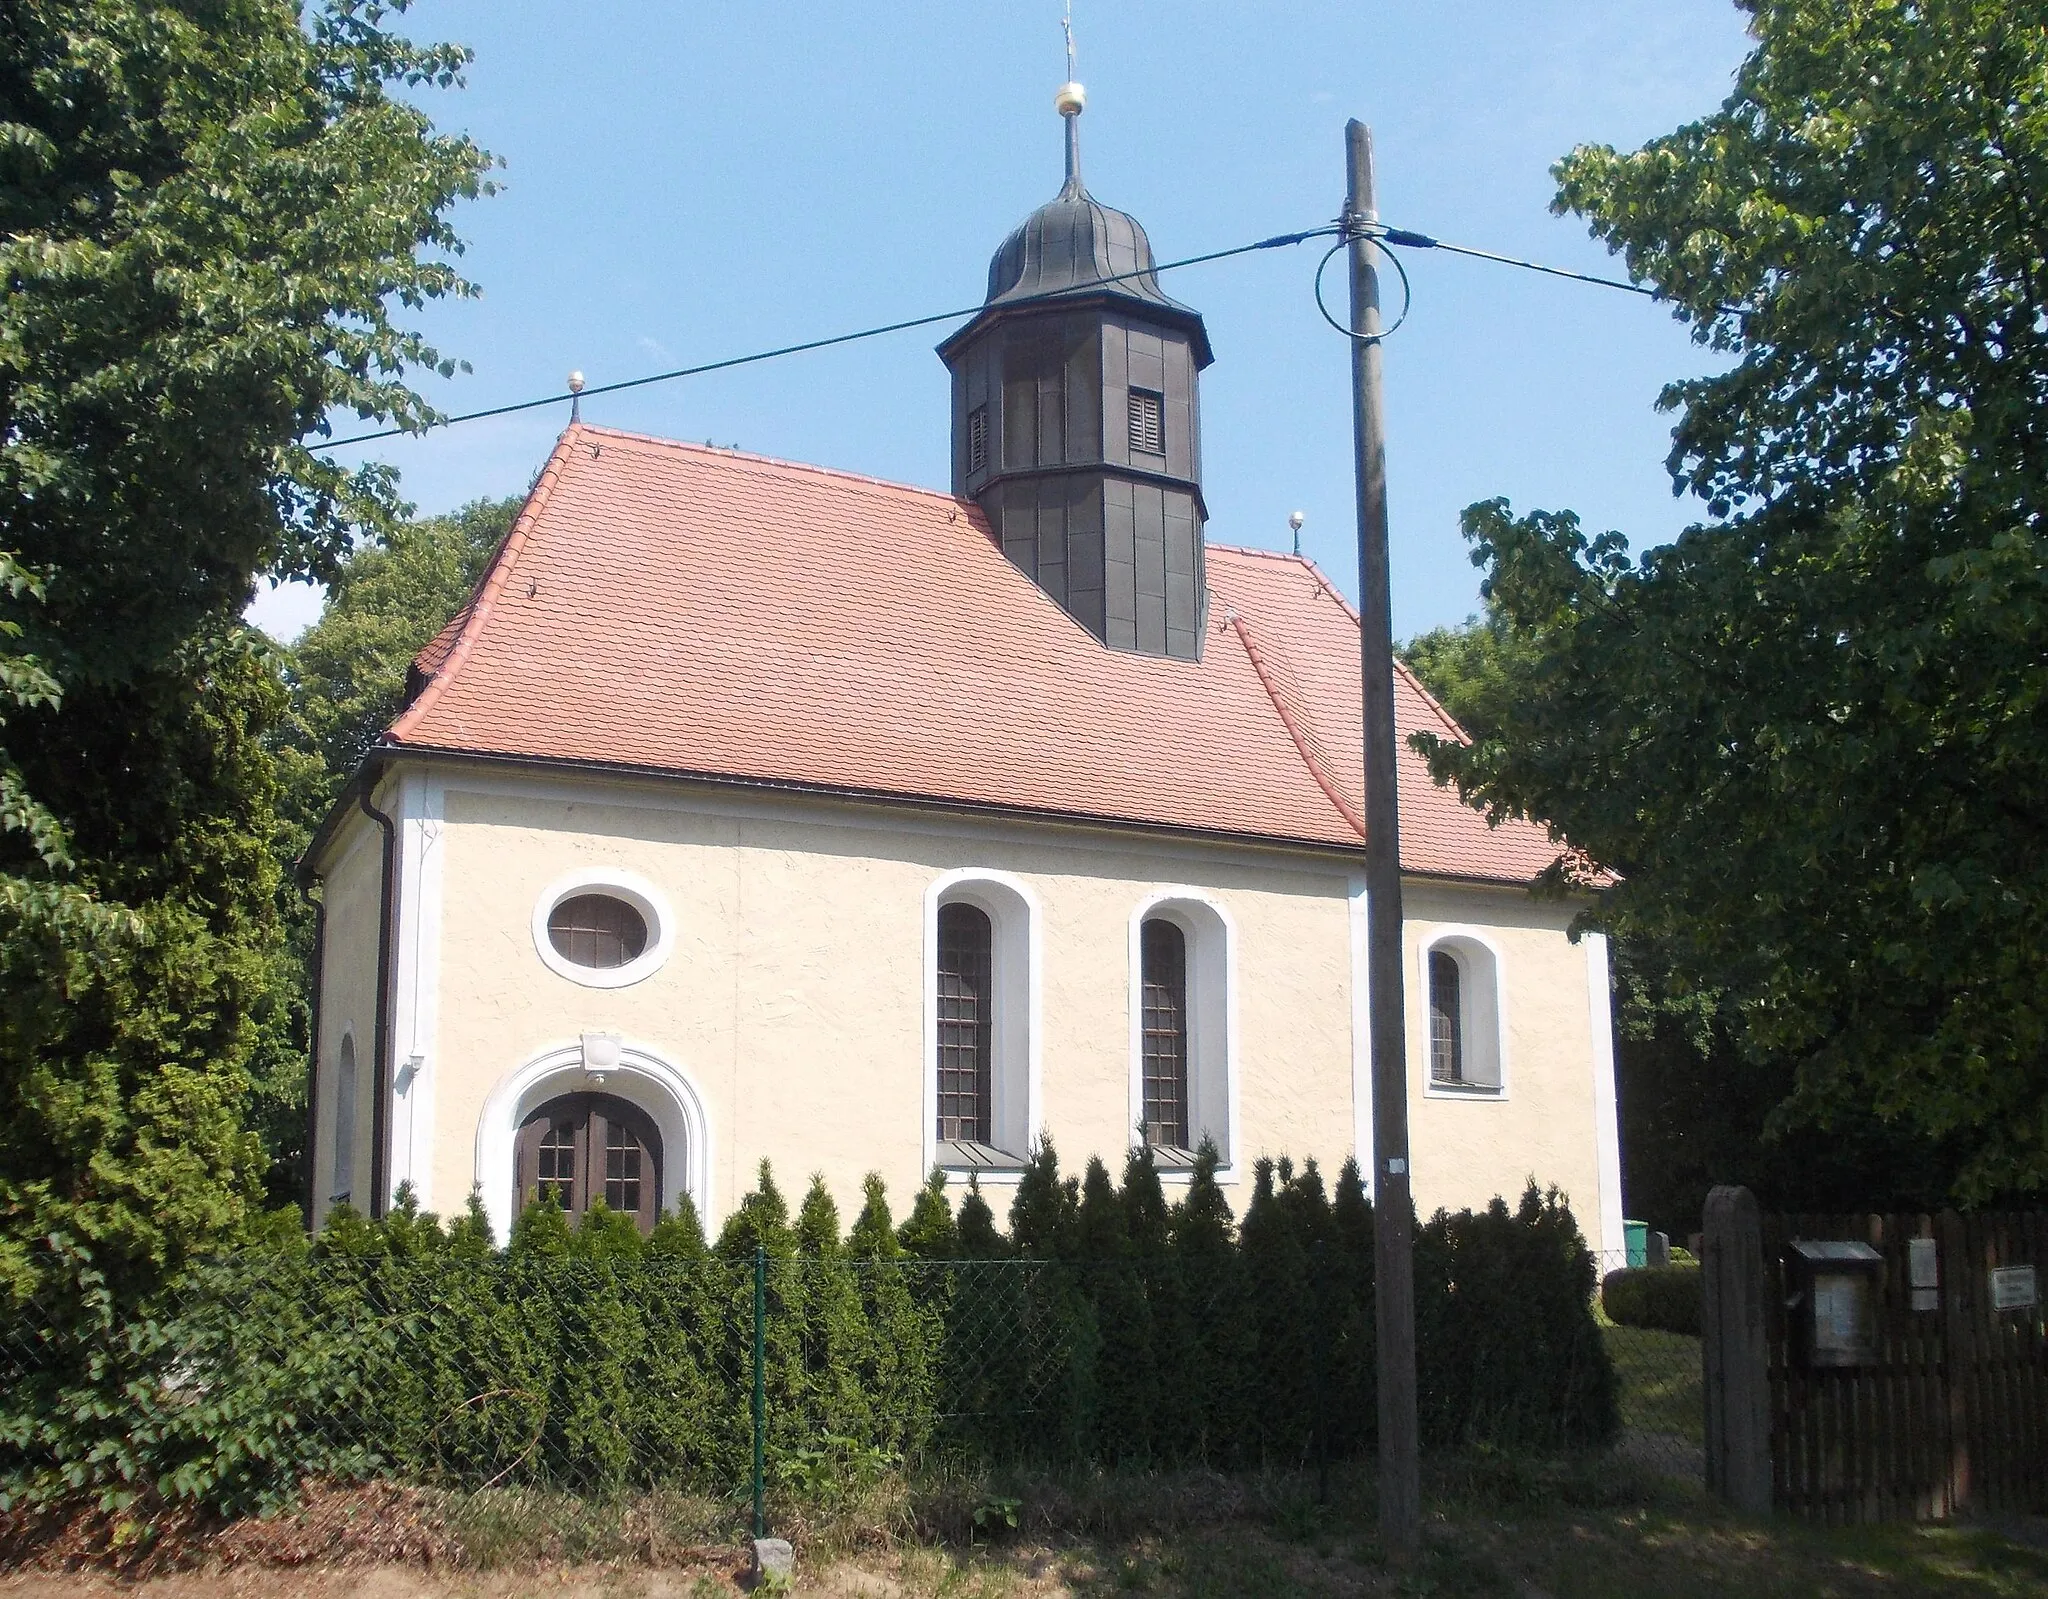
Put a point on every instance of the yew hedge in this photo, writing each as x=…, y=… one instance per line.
x=1107, y=1327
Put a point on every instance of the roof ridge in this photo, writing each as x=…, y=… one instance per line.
x=1325, y=586
x=1456, y=728
x=809, y=467
x=486, y=596
x=1305, y=740
x=1254, y=549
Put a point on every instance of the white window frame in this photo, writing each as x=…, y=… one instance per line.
x=637, y=892
x=1016, y=948
x=1211, y=934
x=1482, y=1013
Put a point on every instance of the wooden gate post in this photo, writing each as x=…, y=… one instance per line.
x=1736, y=1378
x=1959, y=1274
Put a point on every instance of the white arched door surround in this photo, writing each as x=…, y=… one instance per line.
x=634, y=1073
x=1211, y=937
x=1012, y=910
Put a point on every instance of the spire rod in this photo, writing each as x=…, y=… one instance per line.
x=1069, y=103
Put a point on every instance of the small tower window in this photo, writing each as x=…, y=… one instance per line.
x=977, y=440
x=1446, y=1024
x=1148, y=422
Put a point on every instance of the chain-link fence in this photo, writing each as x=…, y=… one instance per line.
x=1657, y=1368
x=788, y=1374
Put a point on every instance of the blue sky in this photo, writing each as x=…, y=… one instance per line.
x=686, y=182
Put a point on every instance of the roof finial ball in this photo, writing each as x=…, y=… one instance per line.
x=575, y=396
x=1294, y=521
x=1069, y=102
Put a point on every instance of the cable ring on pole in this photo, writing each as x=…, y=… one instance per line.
x=1407, y=293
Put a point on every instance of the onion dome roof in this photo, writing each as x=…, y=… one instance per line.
x=1071, y=241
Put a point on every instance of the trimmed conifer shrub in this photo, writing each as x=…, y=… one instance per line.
x=1666, y=1298
x=1109, y=1328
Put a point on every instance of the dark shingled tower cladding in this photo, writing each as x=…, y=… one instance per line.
x=1075, y=421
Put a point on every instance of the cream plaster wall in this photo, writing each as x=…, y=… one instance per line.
x=1466, y=1149
x=351, y=890
x=793, y=998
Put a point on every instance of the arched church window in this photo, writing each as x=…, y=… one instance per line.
x=1467, y=1044
x=586, y=1146
x=344, y=1177
x=966, y=1022
x=597, y=930
x=1164, y=957
x=1446, y=1020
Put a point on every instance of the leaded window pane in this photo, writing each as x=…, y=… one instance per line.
x=556, y=1165
x=1446, y=1024
x=1164, y=1033
x=597, y=930
x=621, y=1168
x=965, y=1022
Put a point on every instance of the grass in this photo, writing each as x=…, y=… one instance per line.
x=1497, y=1525
x=1660, y=1380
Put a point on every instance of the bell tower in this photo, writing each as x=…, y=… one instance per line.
x=1076, y=423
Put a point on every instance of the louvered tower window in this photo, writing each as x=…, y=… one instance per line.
x=1163, y=949
x=977, y=440
x=1148, y=422
x=966, y=1015
x=1446, y=1026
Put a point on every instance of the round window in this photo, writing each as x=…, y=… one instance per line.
x=597, y=931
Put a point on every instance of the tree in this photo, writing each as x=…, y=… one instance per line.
x=197, y=266
x=1807, y=735
x=1696, y=1104
x=386, y=603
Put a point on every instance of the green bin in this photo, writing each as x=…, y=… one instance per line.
x=1636, y=1242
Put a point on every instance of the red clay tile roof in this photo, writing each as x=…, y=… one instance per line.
x=668, y=607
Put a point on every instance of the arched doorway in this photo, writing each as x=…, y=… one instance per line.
x=585, y=1146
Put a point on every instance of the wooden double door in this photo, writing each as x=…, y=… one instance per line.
x=590, y=1146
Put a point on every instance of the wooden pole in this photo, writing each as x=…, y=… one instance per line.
x=1735, y=1377
x=1393, y=1208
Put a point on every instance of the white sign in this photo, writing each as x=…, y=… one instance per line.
x=1923, y=1264
x=1838, y=1312
x=2014, y=1288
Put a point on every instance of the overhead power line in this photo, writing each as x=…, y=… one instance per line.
x=1422, y=241
x=1380, y=233
x=1274, y=243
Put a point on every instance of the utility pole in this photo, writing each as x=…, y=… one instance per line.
x=1393, y=1210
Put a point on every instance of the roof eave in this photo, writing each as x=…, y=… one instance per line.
x=923, y=802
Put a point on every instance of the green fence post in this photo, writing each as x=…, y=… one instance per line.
x=760, y=1383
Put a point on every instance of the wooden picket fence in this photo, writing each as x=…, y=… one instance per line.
x=1951, y=1417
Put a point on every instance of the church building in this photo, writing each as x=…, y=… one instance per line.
x=752, y=809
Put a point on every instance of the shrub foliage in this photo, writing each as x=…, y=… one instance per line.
x=1664, y=1297
x=1108, y=1328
